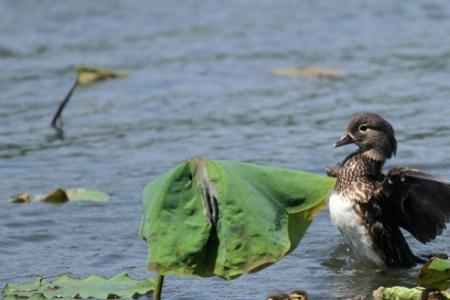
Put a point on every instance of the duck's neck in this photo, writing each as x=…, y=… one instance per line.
x=360, y=164
x=358, y=167
x=375, y=155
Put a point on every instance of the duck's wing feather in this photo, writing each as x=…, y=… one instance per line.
x=417, y=202
x=392, y=247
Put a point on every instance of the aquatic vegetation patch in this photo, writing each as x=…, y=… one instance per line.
x=59, y=196
x=119, y=286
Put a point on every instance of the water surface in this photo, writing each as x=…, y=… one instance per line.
x=199, y=86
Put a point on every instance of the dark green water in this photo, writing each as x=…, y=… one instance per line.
x=199, y=86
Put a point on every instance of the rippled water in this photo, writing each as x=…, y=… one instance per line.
x=199, y=86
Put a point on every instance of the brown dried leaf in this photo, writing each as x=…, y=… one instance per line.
x=309, y=72
x=21, y=198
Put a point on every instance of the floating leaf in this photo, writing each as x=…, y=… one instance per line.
x=404, y=293
x=313, y=71
x=81, y=194
x=224, y=218
x=119, y=286
x=61, y=196
x=57, y=196
x=435, y=273
x=85, y=75
x=397, y=293
x=21, y=198
x=88, y=75
x=433, y=276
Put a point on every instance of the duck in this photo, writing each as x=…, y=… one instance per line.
x=278, y=296
x=294, y=295
x=298, y=295
x=370, y=207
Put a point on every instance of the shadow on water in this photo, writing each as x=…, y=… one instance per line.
x=58, y=135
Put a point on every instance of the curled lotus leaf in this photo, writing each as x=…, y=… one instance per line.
x=435, y=274
x=225, y=218
x=87, y=74
x=55, y=197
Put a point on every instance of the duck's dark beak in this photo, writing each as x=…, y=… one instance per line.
x=344, y=140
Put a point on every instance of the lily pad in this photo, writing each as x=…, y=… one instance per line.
x=93, y=286
x=81, y=194
x=397, y=293
x=435, y=274
x=404, y=293
x=309, y=72
x=225, y=218
x=87, y=74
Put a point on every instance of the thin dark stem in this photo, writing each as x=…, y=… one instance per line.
x=158, y=288
x=56, y=122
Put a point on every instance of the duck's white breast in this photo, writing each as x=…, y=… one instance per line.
x=349, y=223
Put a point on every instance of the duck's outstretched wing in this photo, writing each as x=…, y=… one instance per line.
x=417, y=202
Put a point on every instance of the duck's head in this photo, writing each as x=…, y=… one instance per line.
x=298, y=295
x=279, y=296
x=432, y=294
x=373, y=135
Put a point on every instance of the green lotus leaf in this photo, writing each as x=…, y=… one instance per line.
x=435, y=273
x=404, y=293
x=93, y=286
x=397, y=293
x=225, y=218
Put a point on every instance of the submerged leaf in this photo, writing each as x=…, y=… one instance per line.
x=87, y=74
x=319, y=72
x=93, y=286
x=57, y=196
x=435, y=273
x=225, y=218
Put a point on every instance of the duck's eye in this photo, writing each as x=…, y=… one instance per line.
x=363, y=127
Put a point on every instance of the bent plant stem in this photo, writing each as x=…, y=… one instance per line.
x=209, y=193
x=56, y=121
x=158, y=287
